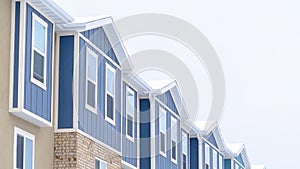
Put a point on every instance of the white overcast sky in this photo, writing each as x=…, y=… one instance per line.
x=258, y=44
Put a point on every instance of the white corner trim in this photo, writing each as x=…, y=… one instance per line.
x=12, y=53
x=30, y=117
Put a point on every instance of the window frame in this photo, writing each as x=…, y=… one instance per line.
x=87, y=79
x=100, y=161
x=131, y=91
x=207, y=155
x=164, y=113
x=108, y=119
x=174, y=122
x=215, y=161
x=33, y=49
x=25, y=135
x=220, y=162
x=185, y=138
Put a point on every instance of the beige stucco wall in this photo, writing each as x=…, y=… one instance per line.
x=43, y=136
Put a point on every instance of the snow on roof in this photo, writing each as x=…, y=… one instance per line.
x=258, y=167
x=235, y=148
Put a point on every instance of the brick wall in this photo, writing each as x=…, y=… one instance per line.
x=74, y=150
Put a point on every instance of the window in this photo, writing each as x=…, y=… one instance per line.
x=130, y=108
x=91, y=80
x=162, y=130
x=110, y=94
x=24, y=149
x=184, y=150
x=220, y=162
x=215, y=159
x=207, y=154
x=236, y=166
x=174, y=131
x=39, y=50
x=100, y=164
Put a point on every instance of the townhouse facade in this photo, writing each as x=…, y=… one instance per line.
x=69, y=100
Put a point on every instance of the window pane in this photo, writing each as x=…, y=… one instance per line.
x=29, y=154
x=39, y=36
x=220, y=162
x=38, y=67
x=110, y=107
x=97, y=164
x=162, y=119
x=162, y=142
x=184, y=143
x=92, y=67
x=103, y=165
x=215, y=159
x=91, y=95
x=174, y=129
x=184, y=161
x=20, y=151
x=207, y=152
x=130, y=101
x=129, y=126
x=173, y=149
x=110, y=81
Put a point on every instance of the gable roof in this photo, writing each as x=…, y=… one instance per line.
x=215, y=131
x=236, y=150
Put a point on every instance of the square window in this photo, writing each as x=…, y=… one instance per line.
x=100, y=164
x=39, y=51
x=24, y=148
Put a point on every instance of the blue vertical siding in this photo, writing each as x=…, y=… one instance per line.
x=194, y=154
x=211, y=138
x=145, y=146
x=167, y=99
x=36, y=99
x=99, y=38
x=162, y=162
x=16, y=54
x=65, y=92
x=129, y=148
x=94, y=124
x=227, y=164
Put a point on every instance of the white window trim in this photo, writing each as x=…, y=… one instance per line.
x=220, y=159
x=174, y=120
x=101, y=161
x=215, y=154
x=113, y=122
x=185, y=136
x=32, y=79
x=18, y=131
x=87, y=106
x=207, y=147
x=163, y=111
x=129, y=90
